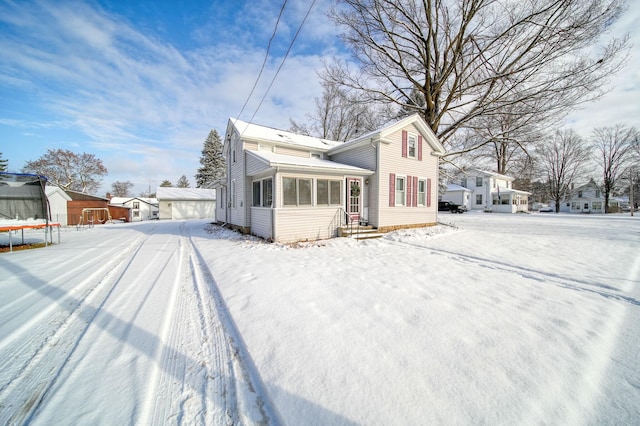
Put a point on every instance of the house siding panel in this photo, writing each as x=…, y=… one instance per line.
x=300, y=224
x=261, y=222
x=364, y=157
x=304, y=153
x=237, y=212
x=255, y=166
x=392, y=162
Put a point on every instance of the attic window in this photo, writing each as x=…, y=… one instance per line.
x=319, y=156
x=412, y=142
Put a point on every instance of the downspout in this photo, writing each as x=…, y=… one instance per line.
x=274, y=190
x=377, y=167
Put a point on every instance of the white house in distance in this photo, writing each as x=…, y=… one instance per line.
x=186, y=203
x=57, y=204
x=491, y=192
x=587, y=198
x=141, y=208
x=288, y=187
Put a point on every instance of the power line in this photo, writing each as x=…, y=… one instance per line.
x=266, y=56
x=283, y=59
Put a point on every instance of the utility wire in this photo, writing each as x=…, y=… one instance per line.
x=283, y=60
x=266, y=56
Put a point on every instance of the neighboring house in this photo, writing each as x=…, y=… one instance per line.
x=458, y=194
x=492, y=192
x=140, y=208
x=58, y=200
x=186, y=203
x=587, y=198
x=288, y=187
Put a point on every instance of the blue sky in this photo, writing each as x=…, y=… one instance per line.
x=140, y=84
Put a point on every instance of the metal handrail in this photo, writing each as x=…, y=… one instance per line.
x=350, y=221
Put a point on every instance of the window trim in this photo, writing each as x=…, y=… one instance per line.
x=329, y=192
x=424, y=193
x=403, y=178
x=412, y=137
x=297, y=191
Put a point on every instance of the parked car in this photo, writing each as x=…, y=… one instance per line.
x=448, y=206
x=547, y=209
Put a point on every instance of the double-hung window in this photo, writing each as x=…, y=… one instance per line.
x=400, y=190
x=412, y=143
x=422, y=192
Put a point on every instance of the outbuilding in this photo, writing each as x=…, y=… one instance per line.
x=186, y=203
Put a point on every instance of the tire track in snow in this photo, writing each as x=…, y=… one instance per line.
x=253, y=404
x=201, y=396
x=34, y=364
x=594, y=287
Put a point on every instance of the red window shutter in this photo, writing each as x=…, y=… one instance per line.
x=404, y=143
x=415, y=191
x=392, y=189
x=420, y=147
x=428, y=192
x=409, y=192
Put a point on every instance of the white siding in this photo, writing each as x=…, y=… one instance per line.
x=237, y=211
x=255, y=166
x=391, y=161
x=193, y=209
x=221, y=197
x=299, y=224
x=364, y=157
x=165, y=209
x=304, y=153
x=58, y=207
x=261, y=222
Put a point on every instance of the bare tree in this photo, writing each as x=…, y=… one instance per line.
x=70, y=171
x=562, y=158
x=614, y=146
x=338, y=116
x=477, y=58
x=121, y=189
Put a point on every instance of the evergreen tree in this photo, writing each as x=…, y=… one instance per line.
x=4, y=164
x=183, y=182
x=212, y=161
x=166, y=184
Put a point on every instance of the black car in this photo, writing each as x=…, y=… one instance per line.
x=448, y=206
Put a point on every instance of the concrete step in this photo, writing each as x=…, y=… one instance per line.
x=359, y=233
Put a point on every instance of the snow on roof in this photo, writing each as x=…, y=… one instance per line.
x=415, y=119
x=454, y=187
x=164, y=193
x=274, y=160
x=262, y=133
x=123, y=200
x=494, y=174
x=510, y=191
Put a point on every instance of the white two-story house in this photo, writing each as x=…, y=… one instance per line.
x=488, y=191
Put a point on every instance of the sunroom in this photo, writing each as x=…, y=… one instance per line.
x=300, y=198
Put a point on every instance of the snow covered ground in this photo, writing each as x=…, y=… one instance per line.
x=491, y=319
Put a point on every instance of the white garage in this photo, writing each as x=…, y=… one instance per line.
x=186, y=203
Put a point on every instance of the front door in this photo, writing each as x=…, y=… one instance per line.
x=354, y=198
